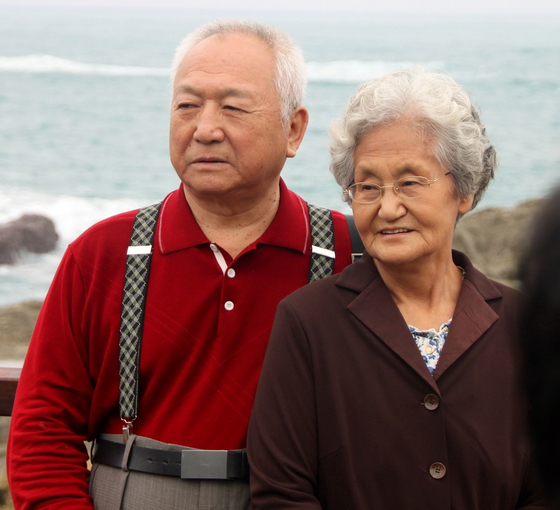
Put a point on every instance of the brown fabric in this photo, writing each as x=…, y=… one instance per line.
x=346, y=414
x=116, y=489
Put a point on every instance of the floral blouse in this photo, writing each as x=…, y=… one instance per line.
x=430, y=343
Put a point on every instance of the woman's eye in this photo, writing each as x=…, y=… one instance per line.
x=369, y=187
x=409, y=183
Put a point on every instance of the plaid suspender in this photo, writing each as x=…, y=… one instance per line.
x=138, y=260
x=322, y=243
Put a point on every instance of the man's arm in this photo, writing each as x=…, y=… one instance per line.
x=47, y=458
x=282, y=441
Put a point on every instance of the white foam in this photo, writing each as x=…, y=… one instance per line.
x=356, y=71
x=71, y=214
x=30, y=276
x=342, y=71
x=52, y=64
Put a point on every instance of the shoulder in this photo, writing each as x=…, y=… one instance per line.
x=106, y=233
x=336, y=291
x=504, y=300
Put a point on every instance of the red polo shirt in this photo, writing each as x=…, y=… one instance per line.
x=205, y=334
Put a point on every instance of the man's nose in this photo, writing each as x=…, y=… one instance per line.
x=209, y=128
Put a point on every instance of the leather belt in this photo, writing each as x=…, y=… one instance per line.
x=186, y=464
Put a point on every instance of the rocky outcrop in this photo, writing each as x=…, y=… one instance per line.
x=494, y=238
x=34, y=233
x=16, y=326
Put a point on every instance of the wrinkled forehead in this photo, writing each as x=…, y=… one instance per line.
x=246, y=52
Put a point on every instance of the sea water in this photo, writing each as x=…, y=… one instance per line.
x=84, y=105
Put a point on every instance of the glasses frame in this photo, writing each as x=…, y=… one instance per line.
x=429, y=182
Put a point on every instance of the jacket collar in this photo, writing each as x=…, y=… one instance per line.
x=375, y=308
x=178, y=229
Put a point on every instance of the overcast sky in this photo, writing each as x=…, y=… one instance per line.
x=412, y=6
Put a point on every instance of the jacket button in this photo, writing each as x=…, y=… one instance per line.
x=431, y=402
x=437, y=470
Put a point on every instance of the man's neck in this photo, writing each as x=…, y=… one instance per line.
x=234, y=224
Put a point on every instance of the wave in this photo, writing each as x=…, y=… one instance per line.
x=31, y=276
x=357, y=71
x=52, y=64
x=71, y=214
x=343, y=71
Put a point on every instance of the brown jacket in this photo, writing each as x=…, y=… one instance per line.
x=347, y=415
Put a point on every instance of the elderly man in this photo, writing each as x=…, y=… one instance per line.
x=162, y=375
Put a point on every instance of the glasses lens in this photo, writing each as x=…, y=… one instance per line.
x=365, y=192
x=411, y=187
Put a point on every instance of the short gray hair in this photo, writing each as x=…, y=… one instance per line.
x=289, y=76
x=436, y=104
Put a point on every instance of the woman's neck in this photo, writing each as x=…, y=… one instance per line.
x=426, y=294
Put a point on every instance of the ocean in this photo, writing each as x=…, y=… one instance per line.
x=84, y=100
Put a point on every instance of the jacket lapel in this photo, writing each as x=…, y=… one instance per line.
x=375, y=308
x=473, y=315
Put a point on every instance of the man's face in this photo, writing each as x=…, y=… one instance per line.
x=226, y=132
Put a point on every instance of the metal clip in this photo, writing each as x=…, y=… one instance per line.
x=126, y=429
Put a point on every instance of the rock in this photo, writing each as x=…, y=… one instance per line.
x=31, y=232
x=16, y=326
x=5, y=499
x=494, y=238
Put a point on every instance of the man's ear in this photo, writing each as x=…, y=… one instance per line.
x=296, y=129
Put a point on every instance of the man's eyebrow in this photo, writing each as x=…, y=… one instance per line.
x=231, y=92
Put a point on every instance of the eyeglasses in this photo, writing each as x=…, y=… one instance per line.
x=407, y=187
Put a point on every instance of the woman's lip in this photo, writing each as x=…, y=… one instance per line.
x=392, y=231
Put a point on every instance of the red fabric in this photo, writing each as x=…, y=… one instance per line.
x=199, y=362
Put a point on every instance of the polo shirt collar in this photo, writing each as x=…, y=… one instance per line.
x=178, y=229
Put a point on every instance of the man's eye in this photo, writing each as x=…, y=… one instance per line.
x=233, y=108
x=186, y=105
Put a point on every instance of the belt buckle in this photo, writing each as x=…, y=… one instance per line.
x=204, y=464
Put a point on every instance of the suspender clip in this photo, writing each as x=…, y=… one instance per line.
x=127, y=425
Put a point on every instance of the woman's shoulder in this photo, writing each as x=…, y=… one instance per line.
x=339, y=288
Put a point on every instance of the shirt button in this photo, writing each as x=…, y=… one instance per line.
x=231, y=272
x=431, y=402
x=214, y=248
x=228, y=305
x=437, y=470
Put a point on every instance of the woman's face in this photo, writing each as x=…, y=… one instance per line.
x=399, y=230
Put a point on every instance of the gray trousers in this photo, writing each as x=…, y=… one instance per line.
x=118, y=489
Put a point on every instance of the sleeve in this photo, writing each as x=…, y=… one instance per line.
x=282, y=437
x=47, y=457
x=343, y=245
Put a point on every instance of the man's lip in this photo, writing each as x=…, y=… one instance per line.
x=208, y=160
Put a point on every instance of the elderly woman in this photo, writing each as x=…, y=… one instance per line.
x=397, y=384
